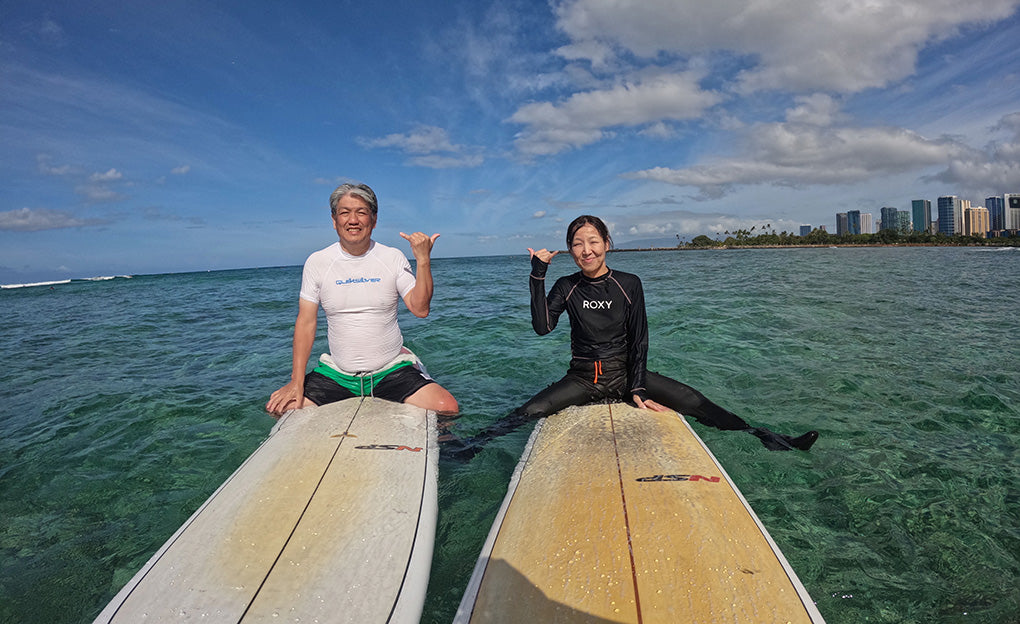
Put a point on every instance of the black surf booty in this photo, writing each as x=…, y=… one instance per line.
x=805, y=441
x=458, y=449
x=778, y=442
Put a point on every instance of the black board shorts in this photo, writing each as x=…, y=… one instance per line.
x=396, y=386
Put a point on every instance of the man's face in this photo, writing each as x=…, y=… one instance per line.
x=354, y=221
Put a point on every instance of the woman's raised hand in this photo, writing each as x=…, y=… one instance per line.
x=544, y=255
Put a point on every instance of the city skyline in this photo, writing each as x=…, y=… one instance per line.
x=1004, y=215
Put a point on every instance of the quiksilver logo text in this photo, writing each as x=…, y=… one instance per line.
x=357, y=280
x=597, y=305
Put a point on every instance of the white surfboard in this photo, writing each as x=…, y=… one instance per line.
x=616, y=514
x=331, y=519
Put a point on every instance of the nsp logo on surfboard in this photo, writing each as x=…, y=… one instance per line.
x=389, y=447
x=678, y=478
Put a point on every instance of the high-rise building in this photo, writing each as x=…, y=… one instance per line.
x=996, y=206
x=950, y=215
x=805, y=230
x=842, y=225
x=976, y=221
x=853, y=221
x=1012, y=220
x=903, y=222
x=866, y=227
x=889, y=219
x=921, y=209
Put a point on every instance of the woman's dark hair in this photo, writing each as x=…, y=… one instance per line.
x=595, y=222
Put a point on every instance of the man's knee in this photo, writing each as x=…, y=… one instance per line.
x=445, y=403
x=434, y=397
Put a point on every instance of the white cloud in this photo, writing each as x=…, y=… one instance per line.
x=101, y=121
x=438, y=161
x=818, y=109
x=109, y=176
x=429, y=146
x=46, y=31
x=646, y=63
x=98, y=193
x=799, y=153
x=43, y=161
x=995, y=169
x=538, y=214
x=335, y=181
x=585, y=118
x=687, y=224
x=422, y=140
x=181, y=170
x=798, y=45
x=36, y=220
x=659, y=130
x=596, y=53
x=153, y=213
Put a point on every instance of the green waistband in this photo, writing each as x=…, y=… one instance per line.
x=361, y=385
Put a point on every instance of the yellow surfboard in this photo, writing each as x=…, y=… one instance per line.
x=331, y=519
x=616, y=514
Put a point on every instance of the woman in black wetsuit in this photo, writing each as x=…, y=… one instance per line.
x=609, y=345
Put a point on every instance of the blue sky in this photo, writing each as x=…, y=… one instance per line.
x=144, y=137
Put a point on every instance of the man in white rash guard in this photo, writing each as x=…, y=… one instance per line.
x=358, y=283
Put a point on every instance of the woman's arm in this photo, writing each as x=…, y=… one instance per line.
x=543, y=319
x=637, y=342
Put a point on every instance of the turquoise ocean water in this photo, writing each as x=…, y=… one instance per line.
x=124, y=403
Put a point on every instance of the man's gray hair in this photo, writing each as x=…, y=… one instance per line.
x=361, y=191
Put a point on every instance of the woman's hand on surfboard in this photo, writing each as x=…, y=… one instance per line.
x=544, y=255
x=649, y=404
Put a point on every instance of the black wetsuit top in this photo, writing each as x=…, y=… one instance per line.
x=607, y=319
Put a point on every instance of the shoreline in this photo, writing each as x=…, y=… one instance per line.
x=798, y=246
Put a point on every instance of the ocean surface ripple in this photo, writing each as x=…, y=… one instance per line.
x=126, y=402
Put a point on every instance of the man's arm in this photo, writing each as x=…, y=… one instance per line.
x=419, y=298
x=292, y=395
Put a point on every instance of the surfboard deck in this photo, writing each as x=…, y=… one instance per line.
x=331, y=519
x=616, y=514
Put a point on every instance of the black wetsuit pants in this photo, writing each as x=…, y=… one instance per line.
x=576, y=389
x=581, y=385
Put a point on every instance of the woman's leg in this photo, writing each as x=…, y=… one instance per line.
x=570, y=390
x=686, y=400
x=566, y=392
x=689, y=402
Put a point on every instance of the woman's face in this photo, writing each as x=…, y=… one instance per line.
x=588, y=249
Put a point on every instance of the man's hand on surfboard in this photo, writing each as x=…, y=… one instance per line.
x=286, y=398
